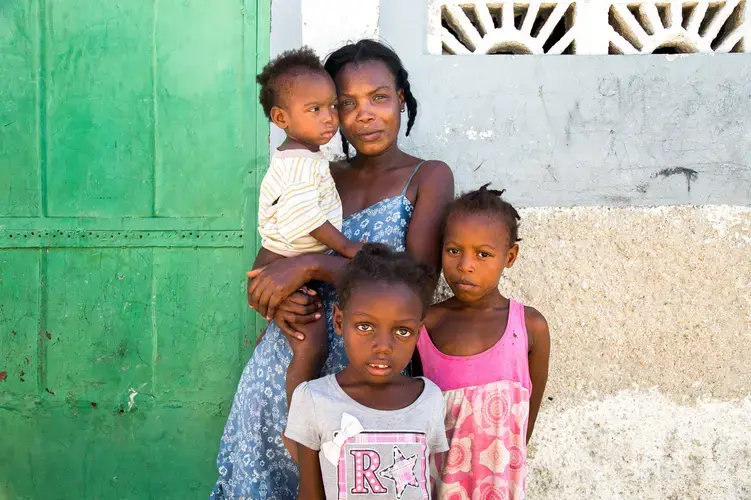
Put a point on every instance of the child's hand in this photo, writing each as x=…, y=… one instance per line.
x=309, y=355
x=300, y=308
x=315, y=346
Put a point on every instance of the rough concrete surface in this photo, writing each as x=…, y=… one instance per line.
x=649, y=393
x=641, y=445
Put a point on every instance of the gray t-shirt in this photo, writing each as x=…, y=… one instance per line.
x=366, y=453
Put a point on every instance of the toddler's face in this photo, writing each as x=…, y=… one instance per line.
x=380, y=325
x=476, y=250
x=310, y=109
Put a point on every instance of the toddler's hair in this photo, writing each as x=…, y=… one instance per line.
x=377, y=263
x=371, y=50
x=490, y=202
x=291, y=62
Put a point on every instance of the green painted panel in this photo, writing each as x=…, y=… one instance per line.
x=19, y=164
x=200, y=154
x=99, y=327
x=127, y=221
x=95, y=453
x=100, y=121
x=19, y=325
x=199, y=323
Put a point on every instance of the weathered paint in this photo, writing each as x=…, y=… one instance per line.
x=131, y=146
x=581, y=130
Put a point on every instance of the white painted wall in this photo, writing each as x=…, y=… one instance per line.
x=329, y=24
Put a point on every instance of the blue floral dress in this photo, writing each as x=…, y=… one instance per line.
x=253, y=462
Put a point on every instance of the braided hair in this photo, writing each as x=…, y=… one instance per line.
x=377, y=263
x=490, y=202
x=371, y=50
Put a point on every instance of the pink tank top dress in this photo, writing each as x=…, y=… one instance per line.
x=487, y=404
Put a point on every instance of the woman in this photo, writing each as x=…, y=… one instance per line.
x=387, y=197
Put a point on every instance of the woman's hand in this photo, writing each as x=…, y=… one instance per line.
x=269, y=286
x=300, y=309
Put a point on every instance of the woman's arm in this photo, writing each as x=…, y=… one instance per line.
x=311, y=481
x=434, y=192
x=272, y=284
x=539, y=358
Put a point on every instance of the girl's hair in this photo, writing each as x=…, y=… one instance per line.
x=371, y=50
x=487, y=201
x=377, y=263
x=290, y=62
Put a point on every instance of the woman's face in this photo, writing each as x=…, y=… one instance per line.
x=369, y=106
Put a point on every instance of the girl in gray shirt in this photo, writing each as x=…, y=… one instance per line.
x=369, y=431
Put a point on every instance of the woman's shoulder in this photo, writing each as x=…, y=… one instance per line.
x=434, y=183
x=434, y=171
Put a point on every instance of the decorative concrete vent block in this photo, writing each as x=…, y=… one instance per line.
x=677, y=27
x=588, y=27
x=503, y=28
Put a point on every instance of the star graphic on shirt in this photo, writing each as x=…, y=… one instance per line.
x=402, y=472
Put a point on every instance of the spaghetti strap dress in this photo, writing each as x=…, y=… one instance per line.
x=253, y=462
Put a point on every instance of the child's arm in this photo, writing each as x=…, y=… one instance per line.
x=308, y=356
x=302, y=431
x=335, y=240
x=539, y=358
x=311, y=481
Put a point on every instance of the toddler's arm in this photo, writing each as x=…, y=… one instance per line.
x=539, y=358
x=335, y=240
x=311, y=481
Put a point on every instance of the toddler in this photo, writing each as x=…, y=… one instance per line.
x=299, y=210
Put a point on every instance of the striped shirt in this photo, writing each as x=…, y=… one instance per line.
x=298, y=195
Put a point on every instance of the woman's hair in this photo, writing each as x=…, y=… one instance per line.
x=377, y=263
x=288, y=63
x=371, y=50
x=487, y=201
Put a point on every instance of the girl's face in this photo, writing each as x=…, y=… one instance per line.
x=380, y=325
x=369, y=106
x=476, y=250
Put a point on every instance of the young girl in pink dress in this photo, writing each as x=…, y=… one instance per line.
x=487, y=353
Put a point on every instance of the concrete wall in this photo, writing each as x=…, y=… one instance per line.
x=634, y=174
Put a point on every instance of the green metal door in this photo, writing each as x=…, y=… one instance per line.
x=131, y=146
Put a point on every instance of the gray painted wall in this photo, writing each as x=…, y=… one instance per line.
x=581, y=130
x=571, y=130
